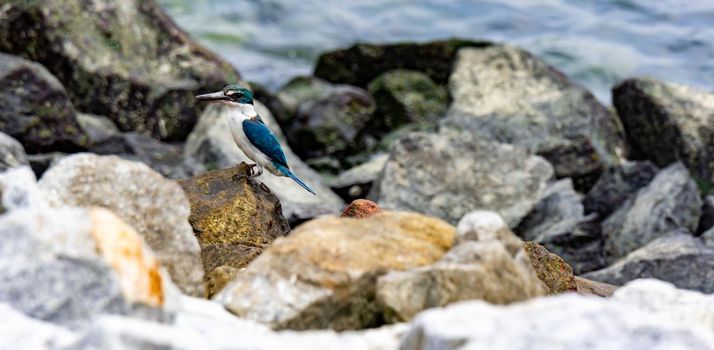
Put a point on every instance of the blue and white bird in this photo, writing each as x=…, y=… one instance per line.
x=251, y=135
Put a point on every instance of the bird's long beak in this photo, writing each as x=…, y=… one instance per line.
x=216, y=96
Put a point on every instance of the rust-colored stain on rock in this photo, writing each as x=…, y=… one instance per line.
x=124, y=250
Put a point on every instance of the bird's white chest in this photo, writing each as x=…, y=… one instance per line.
x=235, y=123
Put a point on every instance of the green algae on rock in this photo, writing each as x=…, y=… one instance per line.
x=551, y=269
x=405, y=96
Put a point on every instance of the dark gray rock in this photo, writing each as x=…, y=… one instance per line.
x=11, y=153
x=326, y=120
x=617, y=184
x=677, y=257
x=671, y=201
x=360, y=64
x=123, y=59
x=667, y=122
x=706, y=221
x=35, y=109
x=451, y=174
x=505, y=94
x=559, y=223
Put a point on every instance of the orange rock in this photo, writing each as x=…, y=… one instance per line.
x=324, y=273
x=361, y=208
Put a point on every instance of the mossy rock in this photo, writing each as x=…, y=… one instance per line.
x=405, y=99
x=234, y=218
x=124, y=59
x=363, y=62
x=326, y=120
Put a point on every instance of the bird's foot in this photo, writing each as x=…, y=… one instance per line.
x=256, y=173
x=251, y=172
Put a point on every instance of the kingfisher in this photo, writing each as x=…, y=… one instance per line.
x=251, y=135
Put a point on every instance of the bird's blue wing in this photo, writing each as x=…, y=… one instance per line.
x=264, y=140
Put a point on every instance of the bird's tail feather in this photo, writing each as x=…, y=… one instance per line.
x=290, y=174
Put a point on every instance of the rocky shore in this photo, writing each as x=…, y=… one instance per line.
x=470, y=196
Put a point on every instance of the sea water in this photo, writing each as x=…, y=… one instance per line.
x=595, y=42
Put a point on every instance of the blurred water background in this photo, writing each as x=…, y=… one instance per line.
x=596, y=42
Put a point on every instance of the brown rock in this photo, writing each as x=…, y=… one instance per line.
x=361, y=208
x=488, y=263
x=483, y=270
x=590, y=287
x=219, y=278
x=324, y=274
x=551, y=269
x=234, y=219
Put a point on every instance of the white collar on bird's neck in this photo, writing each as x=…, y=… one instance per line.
x=247, y=110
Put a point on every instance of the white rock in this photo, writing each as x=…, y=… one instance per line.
x=18, y=331
x=201, y=324
x=156, y=207
x=684, y=306
x=562, y=322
